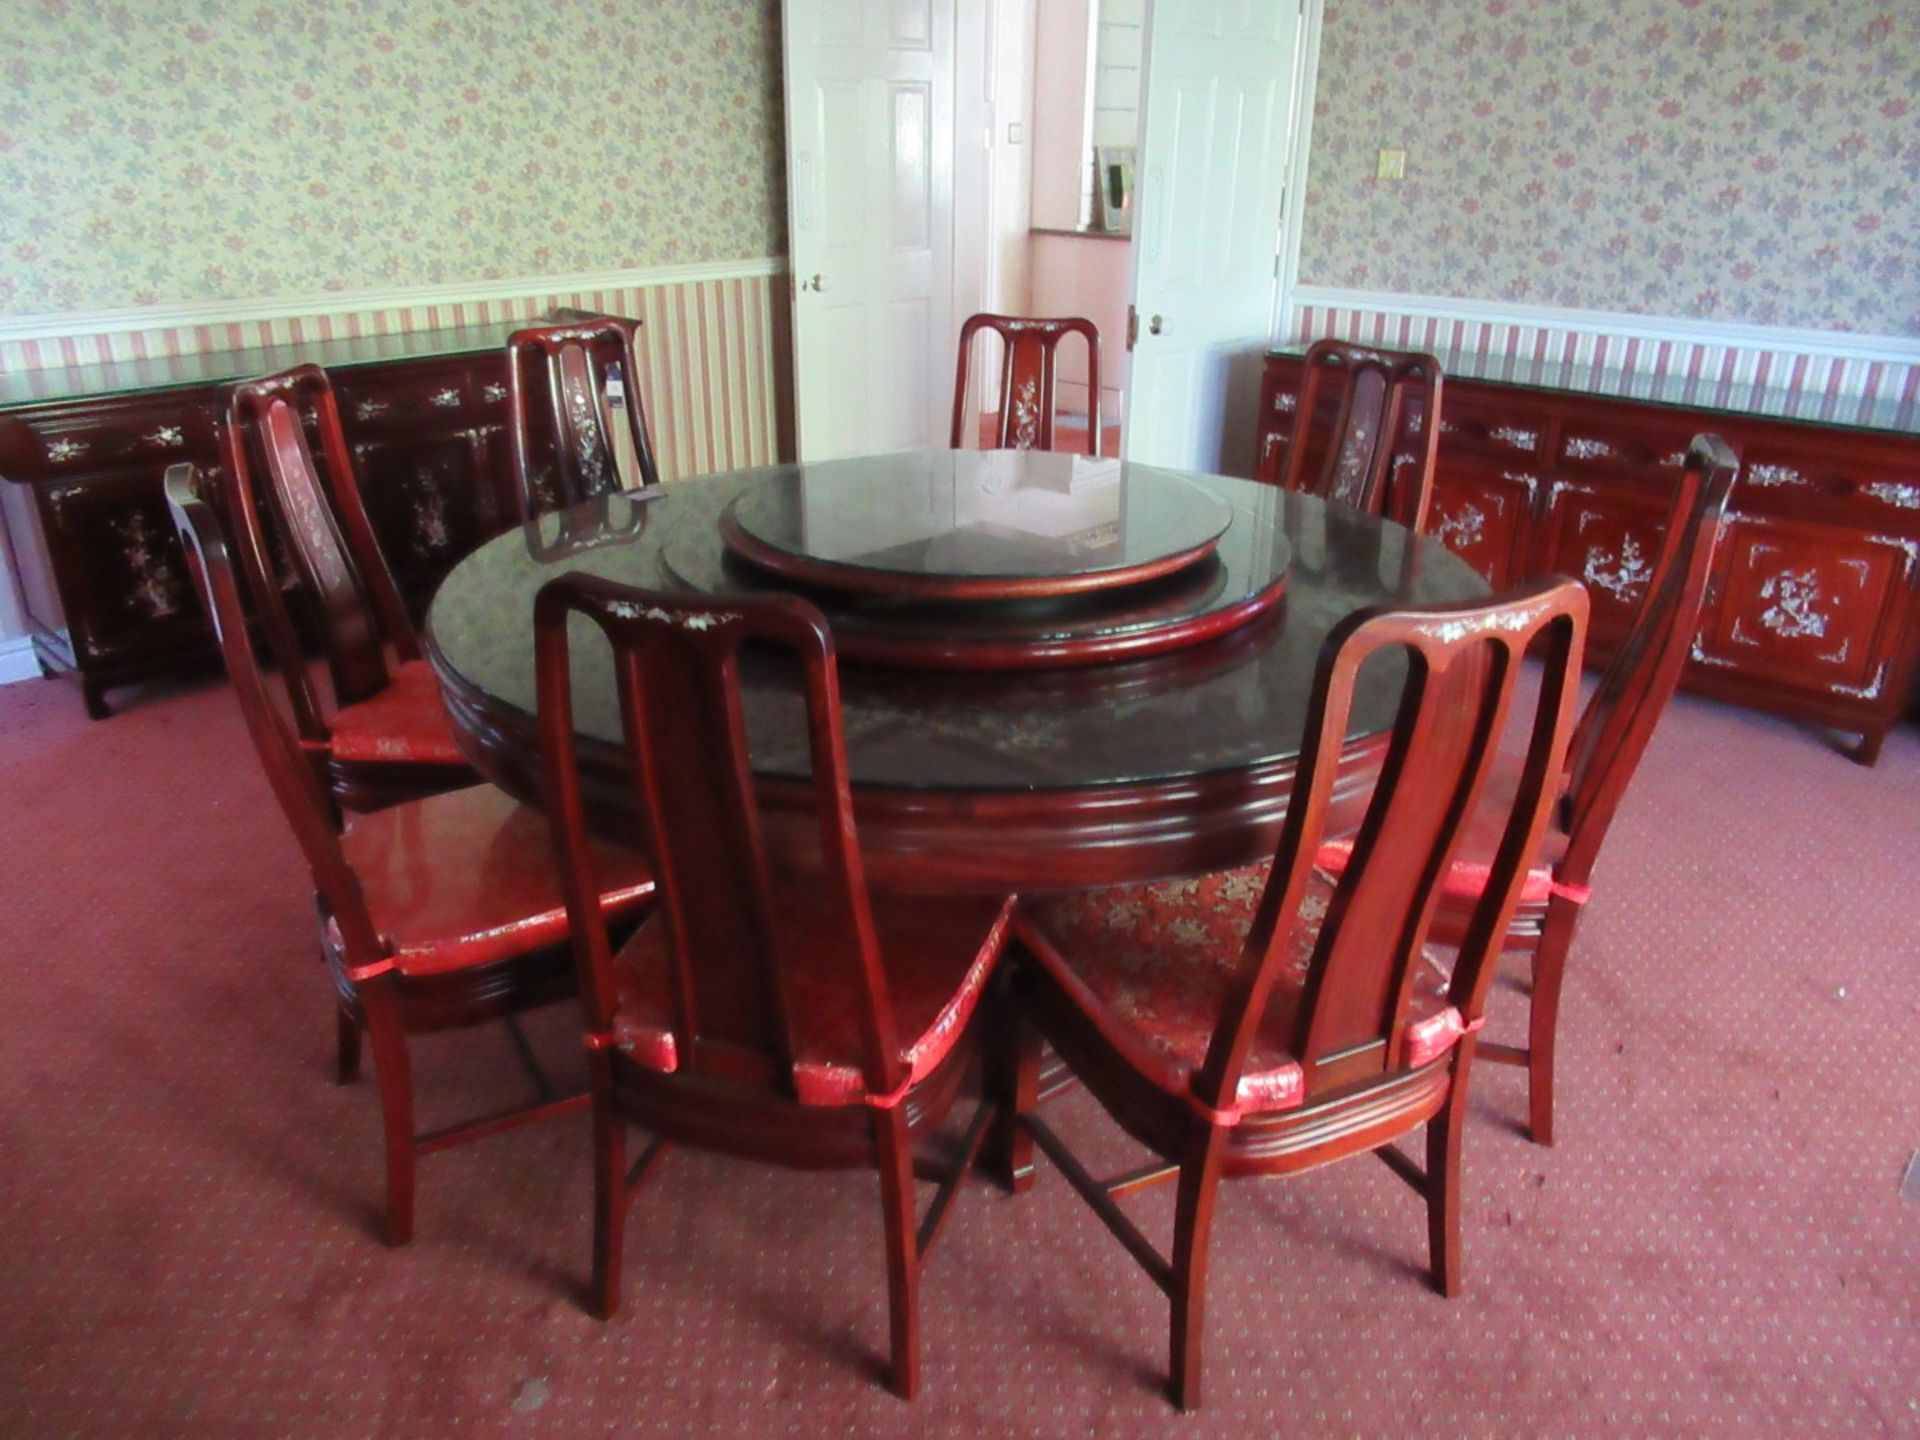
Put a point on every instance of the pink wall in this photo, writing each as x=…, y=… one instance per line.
x=1059, y=111
x=1090, y=276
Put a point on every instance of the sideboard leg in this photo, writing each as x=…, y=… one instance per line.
x=96, y=701
x=1867, y=752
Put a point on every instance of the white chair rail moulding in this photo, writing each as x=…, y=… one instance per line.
x=36, y=342
x=1830, y=375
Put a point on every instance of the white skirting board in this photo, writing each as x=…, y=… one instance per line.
x=17, y=662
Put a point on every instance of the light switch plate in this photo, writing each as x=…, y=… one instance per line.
x=1393, y=165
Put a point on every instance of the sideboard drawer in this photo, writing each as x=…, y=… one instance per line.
x=1599, y=440
x=1489, y=431
x=390, y=397
x=86, y=440
x=1797, y=476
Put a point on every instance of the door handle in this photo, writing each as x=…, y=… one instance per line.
x=1154, y=325
x=813, y=283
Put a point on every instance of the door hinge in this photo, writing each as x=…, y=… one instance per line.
x=1133, y=327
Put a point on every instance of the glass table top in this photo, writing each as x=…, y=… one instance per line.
x=976, y=523
x=1233, y=702
x=1020, y=570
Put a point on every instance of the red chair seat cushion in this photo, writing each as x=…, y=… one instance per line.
x=938, y=953
x=404, y=723
x=1151, y=966
x=1474, y=859
x=469, y=877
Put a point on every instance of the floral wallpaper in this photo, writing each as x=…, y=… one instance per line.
x=204, y=150
x=1742, y=160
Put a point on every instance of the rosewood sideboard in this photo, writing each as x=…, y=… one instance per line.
x=108, y=596
x=1812, y=609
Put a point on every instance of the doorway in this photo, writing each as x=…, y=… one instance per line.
x=1049, y=136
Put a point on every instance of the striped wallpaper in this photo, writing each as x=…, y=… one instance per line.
x=1802, y=380
x=717, y=365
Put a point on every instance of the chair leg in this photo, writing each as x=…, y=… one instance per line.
x=346, y=1047
x=393, y=1070
x=1444, y=1132
x=609, y=1194
x=895, y=1148
x=1192, y=1228
x=1016, y=1060
x=1543, y=1020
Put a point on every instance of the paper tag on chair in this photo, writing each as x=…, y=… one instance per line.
x=626, y=465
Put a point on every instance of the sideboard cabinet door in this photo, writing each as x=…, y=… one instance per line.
x=1811, y=609
x=419, y=433
x=1486, y=483
x=428, y=505
x=1278, y=421
x=1483, y=514
x=1607, y=537
x=1279, y=387
x=126, y=590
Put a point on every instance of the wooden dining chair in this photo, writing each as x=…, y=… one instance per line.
x=1613, y=733
x=1378, y=454
x=435, y=914
x=1268, y=1020
x=1030, y=349
x=573, y=389
x=793, y=1019
x=386, y=737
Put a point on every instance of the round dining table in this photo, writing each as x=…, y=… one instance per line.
x=1076, y=745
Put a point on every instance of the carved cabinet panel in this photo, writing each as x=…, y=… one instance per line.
x=1278, y=400
x=428, y=503
x=423, y=437
x=1805, y=605
x=1278, y=423
x=1482, y=514
x=131, y=586
x=120, y=606
x=1607, y=537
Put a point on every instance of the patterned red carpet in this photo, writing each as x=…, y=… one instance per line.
x=1717, y=1247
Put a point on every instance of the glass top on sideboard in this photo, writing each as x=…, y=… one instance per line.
x=215, y=367
x=212, y=367
x=1689, y=392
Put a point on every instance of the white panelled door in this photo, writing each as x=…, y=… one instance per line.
x=1215, y=107
x=870, y=88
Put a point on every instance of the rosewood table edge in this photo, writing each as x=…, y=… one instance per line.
x=964, y=841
